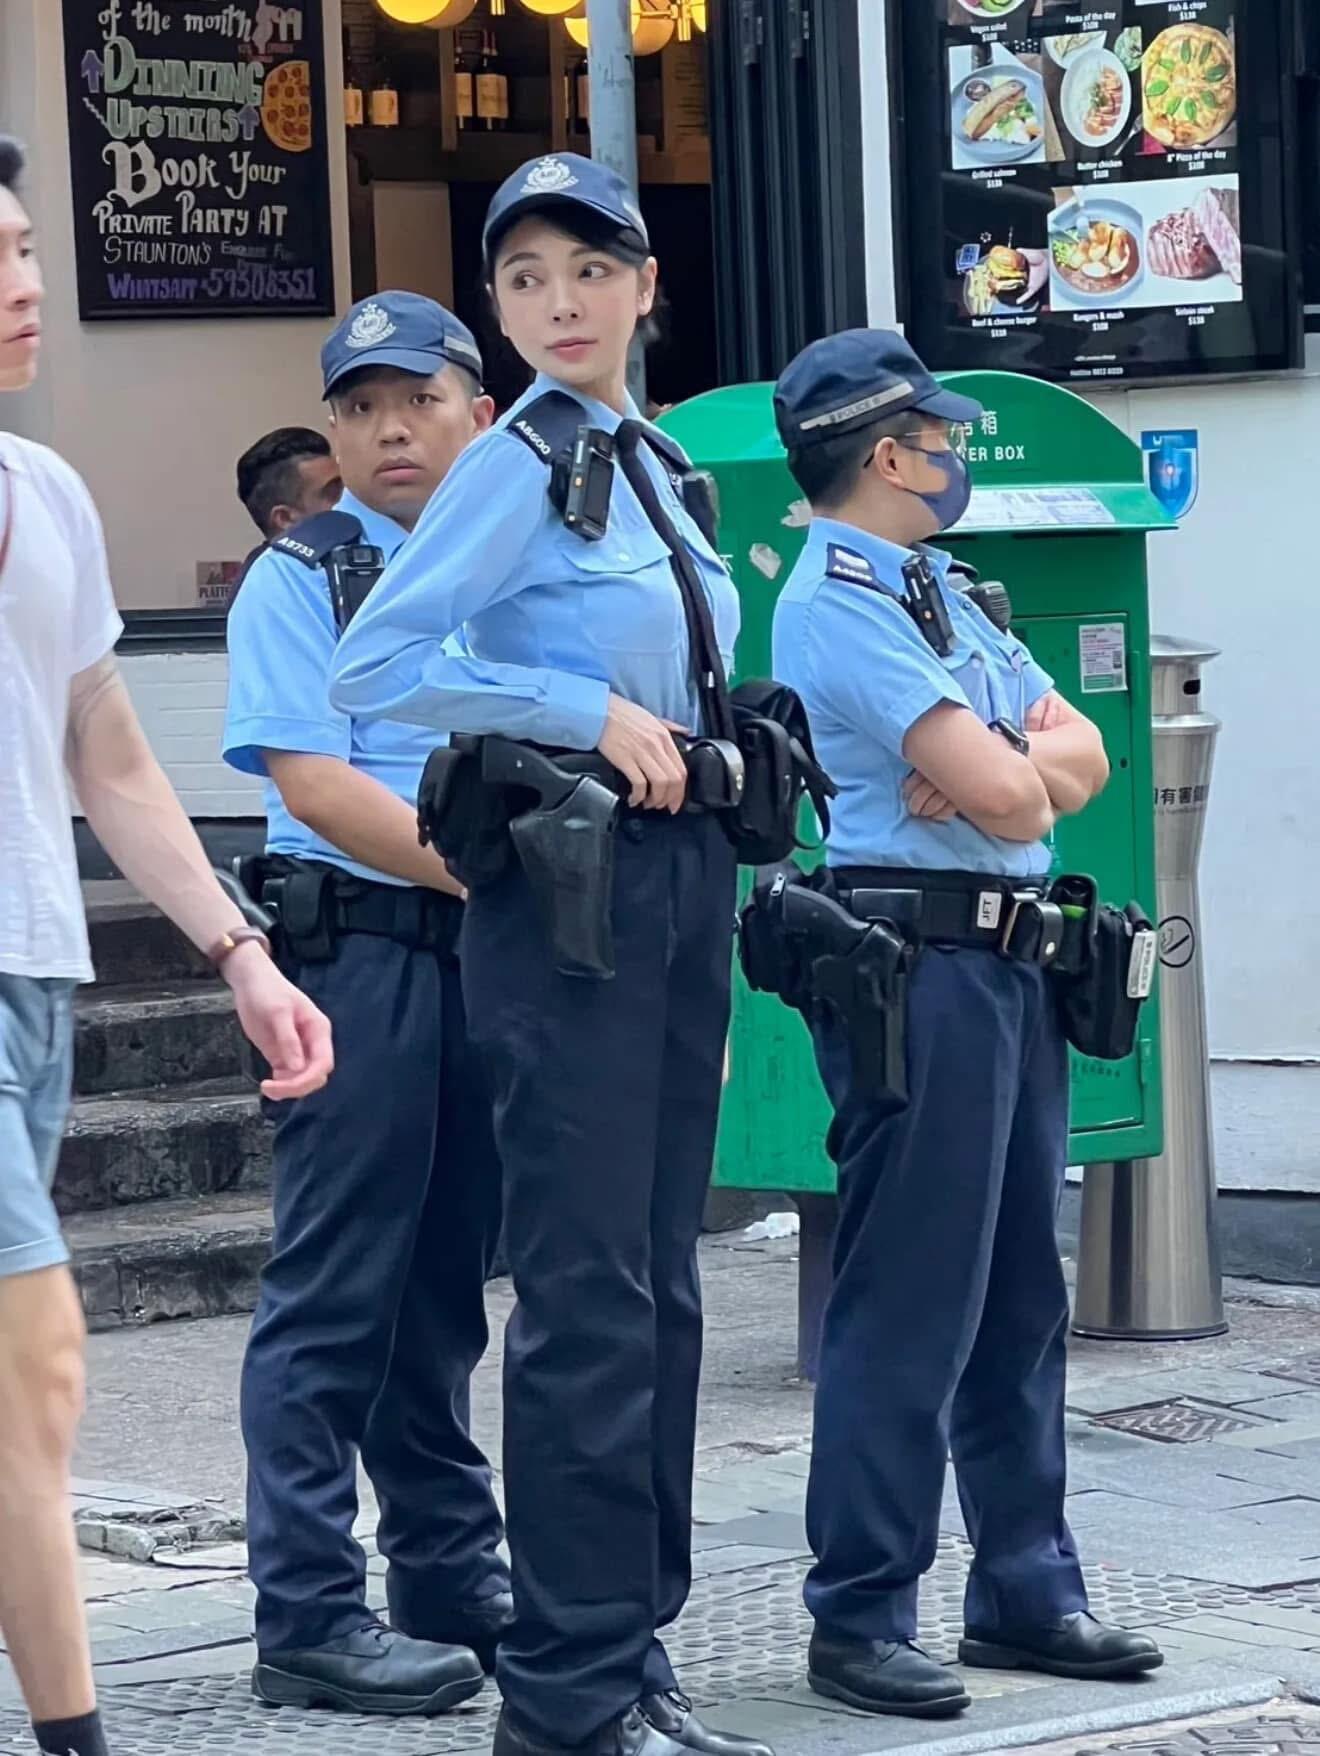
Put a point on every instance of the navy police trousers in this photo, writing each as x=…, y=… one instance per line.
x=946, y=1327
x=606, y=1097
x=371, y=1317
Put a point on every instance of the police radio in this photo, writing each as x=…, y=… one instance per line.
x=923, y=602
x=352, y=570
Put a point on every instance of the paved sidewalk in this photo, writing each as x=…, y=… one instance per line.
x=1195, y=1499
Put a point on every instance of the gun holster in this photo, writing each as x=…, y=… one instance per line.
x=860, y=971
x=565, y=843
x=797, y=942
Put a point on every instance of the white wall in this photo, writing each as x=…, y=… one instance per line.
x=153, y=413
x=1241, y=573
x=180, y=699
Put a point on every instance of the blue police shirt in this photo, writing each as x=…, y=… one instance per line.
x=867, y=675
x=551, y=623
x=282, y=639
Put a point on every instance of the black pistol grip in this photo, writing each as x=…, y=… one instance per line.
x=505, y=762
x=567, y=854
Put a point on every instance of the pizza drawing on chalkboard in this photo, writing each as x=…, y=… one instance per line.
x=286, y=106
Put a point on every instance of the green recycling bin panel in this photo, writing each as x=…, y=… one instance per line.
x=1060, y=513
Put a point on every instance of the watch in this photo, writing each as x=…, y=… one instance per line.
x=230, y=942
x=1011, y=735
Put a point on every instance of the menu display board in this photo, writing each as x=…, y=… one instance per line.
x=1098, y=190
x=197, y=136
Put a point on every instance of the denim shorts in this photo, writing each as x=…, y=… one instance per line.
x=36, y=1068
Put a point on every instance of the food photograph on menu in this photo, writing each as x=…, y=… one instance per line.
x=1098, y=189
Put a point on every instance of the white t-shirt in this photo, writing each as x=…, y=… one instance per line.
x=57, y=617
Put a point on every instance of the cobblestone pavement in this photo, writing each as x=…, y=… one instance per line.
x=1195, y=1500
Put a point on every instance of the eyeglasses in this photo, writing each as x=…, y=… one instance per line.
x=954, y=438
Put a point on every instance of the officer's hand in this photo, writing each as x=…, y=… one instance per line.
x=924, y=799
x=642, y=748
x=1045, y=714
x=282, y=1023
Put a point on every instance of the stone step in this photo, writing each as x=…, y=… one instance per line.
x=166, y=1259
x=133, y=945
x=163, y=1143
x=131, y=1039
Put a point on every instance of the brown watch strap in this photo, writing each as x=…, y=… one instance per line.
x=230, y=943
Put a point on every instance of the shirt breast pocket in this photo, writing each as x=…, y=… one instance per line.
x=967, y=668
x=627, y=598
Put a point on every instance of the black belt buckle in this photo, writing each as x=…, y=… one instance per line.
x=1033, y=931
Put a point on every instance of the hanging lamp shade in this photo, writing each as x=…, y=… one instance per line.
x=441, y=13
x=652, y=27
x=552, y=8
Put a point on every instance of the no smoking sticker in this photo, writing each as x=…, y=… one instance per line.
x=1103, y=652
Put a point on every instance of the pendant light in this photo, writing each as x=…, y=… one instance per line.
x=441, y=14
x=652, y=27
x=552, y=8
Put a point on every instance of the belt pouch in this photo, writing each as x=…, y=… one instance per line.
x=1097, y=1007
x=306, y=914
x=463, y=818
x=773, y=959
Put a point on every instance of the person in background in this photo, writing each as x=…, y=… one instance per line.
x=387, y=1185
x=63, y=705
x=288, y=475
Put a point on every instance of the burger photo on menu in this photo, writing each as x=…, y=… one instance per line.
x=1189, y=94
x=1002, y=279
x=999, y=114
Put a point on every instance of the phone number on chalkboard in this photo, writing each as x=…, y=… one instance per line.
x=259, y=284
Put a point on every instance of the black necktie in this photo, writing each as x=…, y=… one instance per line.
x=706, y=665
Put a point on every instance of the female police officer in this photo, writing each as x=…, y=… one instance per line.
x=606, y=1092
x=947, y=1321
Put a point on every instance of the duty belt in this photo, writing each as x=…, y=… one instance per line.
x=315, y=903
x=1013, y=916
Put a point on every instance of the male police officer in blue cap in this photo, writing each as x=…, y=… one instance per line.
x=946, y=1327
x=371, y=1317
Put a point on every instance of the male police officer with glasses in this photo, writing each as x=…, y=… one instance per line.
x=371, y=1316
x=946, y=1327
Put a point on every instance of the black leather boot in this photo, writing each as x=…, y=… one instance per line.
x=373, y=1670
x=883, y=1676
x=632, y=1734
x=671, y=1713
x=1074, y=1646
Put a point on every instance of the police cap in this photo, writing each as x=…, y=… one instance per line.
x=563, y=180
x=402, y=330
x=850, y=381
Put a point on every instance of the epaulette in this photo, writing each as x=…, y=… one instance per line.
x=549, y=425
x=316, y=538
x=850, y=567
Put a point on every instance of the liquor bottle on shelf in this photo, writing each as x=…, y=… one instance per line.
x=384, y=109
x=492, y=87
x=465, y=79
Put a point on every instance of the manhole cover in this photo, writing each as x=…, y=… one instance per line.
x=1181, y=1422
x=1295, y=1372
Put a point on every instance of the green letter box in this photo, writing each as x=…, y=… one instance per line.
x=1060, y=512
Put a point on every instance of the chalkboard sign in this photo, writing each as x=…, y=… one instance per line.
x=198, y=142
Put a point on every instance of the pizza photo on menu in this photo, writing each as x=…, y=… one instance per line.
x=286, y=106
x=1188, y=87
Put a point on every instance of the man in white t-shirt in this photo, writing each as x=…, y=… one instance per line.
x=64, y=706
